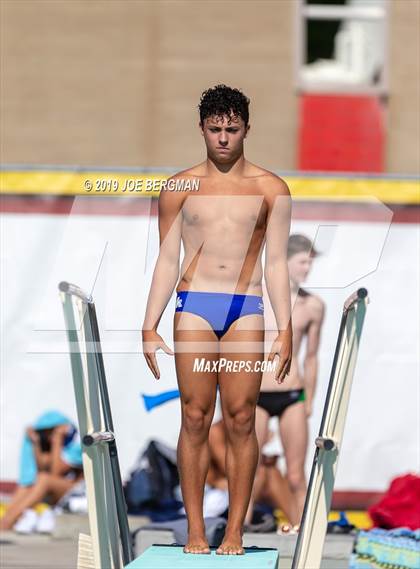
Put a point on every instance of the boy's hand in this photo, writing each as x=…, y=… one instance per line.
x=308, y=408
x=33, y=435
x=60, y=431
x=152, y=341
x=282, y=347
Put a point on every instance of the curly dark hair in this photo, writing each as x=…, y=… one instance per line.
x=223, y=100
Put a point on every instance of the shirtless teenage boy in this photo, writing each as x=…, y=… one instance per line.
x=219, y=312
x=292, y=403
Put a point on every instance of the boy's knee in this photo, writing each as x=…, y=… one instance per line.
x=296, y=479
x=241, y=421
x=195, y=420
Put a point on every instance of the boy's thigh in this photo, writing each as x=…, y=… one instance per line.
x=242, y=350
x=196, y=357
x=59, y=485
x=293, y=427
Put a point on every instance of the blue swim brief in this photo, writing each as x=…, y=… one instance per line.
x=218, y=308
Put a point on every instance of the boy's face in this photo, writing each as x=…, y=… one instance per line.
x=299, y=266
x=223, y=137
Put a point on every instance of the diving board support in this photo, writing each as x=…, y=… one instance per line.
x=110, y=541
x=313, y=527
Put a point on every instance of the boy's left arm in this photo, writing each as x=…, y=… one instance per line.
x=310, y=366
x=276, y=273
x=58, y=466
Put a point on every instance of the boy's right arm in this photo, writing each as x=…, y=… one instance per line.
x=165, y=275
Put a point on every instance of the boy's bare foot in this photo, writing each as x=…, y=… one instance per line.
x=197, y=545
x=231, y=544
x=288, y=529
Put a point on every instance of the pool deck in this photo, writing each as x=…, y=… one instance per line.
x=59, y=551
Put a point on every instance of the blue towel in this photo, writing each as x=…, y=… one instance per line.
x=72, y=453
x=48, y=420
x=151, y=401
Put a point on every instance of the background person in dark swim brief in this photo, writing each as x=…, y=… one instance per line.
x=292, y=401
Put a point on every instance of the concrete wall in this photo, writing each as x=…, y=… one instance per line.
x=106, y=254
x=403, y=128
x=118, y=83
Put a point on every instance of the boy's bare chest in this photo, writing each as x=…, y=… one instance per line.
x=301, y=316
x=208, y=208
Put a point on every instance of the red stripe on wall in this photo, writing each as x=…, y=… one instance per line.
x=80, y=205
x=341, y=500
x=348, y=500
x=302, y=210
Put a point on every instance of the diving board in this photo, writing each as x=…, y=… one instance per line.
x=169, y=556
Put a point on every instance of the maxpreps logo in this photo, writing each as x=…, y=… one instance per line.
x=232, y=366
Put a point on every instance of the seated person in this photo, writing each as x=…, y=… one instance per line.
x=51, y=464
